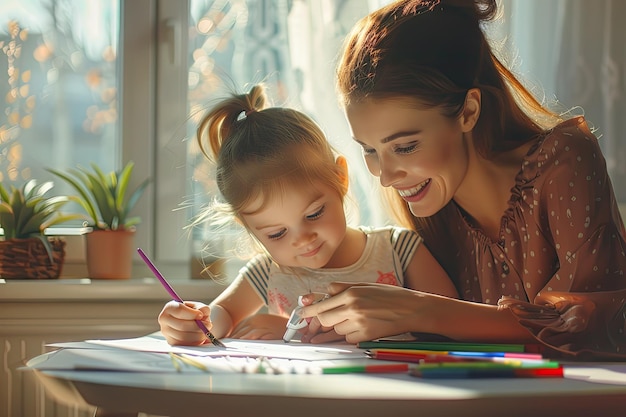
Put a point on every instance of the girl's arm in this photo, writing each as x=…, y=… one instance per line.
x=236, y=303
x=425, y=274
x=260, y=326
x=235, y=314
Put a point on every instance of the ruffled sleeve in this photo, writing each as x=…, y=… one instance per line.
x=581, y=309
x=584, y=325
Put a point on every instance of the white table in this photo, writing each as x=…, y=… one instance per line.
x=362, y=395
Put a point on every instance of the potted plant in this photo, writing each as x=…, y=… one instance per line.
x=25, y=214
x=103, y=197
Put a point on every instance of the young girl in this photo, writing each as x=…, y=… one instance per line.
x=280, y=179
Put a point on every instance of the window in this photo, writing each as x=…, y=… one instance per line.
x=289, y=45
x=64, y=103
x=59, y=86
x=109, y=81
x=105, y=98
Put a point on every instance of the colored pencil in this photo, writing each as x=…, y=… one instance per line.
x=490, y=365
x=175, y=296
x=369, y=369
x=425, y=371
x=448, y=346
x=411, y=355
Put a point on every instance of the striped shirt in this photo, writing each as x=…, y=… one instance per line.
x=386, y=256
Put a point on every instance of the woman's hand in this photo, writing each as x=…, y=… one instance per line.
x=363, y=312
x=178, y=324
x=260, y=327
x=315, y=332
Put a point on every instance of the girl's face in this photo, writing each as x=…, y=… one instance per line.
x=417, y=151
x=302, y=228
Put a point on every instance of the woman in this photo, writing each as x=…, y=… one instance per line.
x=514, y=202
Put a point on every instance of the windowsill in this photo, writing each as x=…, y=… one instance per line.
x=81, y=289
x=62, y=231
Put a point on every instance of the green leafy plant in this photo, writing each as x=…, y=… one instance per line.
x=103, y=195
x=26, y=212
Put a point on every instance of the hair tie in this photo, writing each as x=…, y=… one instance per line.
x=244, y=114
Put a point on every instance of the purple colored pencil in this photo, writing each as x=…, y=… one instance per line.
x=175, y=296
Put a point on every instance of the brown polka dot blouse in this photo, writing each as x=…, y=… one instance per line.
x=560, y=259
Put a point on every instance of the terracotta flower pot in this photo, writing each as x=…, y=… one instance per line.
x=110, y=254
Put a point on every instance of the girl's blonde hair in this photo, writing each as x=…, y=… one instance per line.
x=260, y=151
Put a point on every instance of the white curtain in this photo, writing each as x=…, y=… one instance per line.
x=316, y=32
x=575, y=50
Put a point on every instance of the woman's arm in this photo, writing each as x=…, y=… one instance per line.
x=369, y=311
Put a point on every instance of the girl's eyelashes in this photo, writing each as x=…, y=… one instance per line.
x=277, y=235
x=317, y=214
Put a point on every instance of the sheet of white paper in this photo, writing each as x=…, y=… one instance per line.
x=124, y=360
x=77, y=345
x=604, y=373
x=107, y=360
x=246, y=348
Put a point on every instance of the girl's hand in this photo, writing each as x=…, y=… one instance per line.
x=363, y=312
x=178, y=324
x=260, y=327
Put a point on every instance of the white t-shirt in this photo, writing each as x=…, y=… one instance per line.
x=388, y=251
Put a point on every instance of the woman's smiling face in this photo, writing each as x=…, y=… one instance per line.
x=418, y=151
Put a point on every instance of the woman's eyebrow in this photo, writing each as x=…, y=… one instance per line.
x=393, y=137
x=399, y=135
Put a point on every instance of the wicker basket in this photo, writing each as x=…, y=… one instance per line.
x=28, y=259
